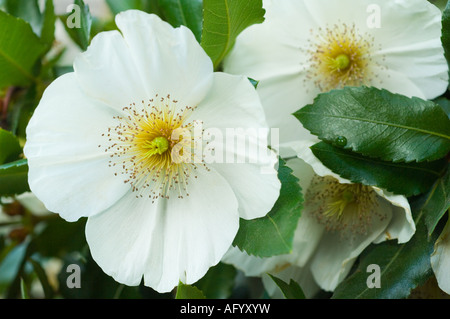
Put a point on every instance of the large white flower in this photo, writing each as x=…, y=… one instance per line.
x=306, y=47
x=339, y=220
x=440, y=260
x=100, y=144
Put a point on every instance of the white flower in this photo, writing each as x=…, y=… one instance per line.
x=63, y=42
x=100, y=145
x=440, y=260
x=306, y=47
x=339, y=220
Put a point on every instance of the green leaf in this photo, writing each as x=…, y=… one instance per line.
x=48, y=24
x=274, y=234
x=20, y=49
x=9, y=147
x=24, y=289
x=254, y=82
x=223, y=21
x=25, y=103
x=218, y=282
x=11, y=264
x=446, y=32
x=379, y=124
x=27, y=10
x=42, y=276
x=291, y=290
x=42, y=23
x=184, y=12
x=14, y=178
x=445, y=104
x=188, y=292
x=400, y=178
x=78, y=24
x=438, y=202
x=59, y=237
x=118, y=6
x=403, y=267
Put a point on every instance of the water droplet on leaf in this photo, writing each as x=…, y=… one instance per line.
x=341, y=141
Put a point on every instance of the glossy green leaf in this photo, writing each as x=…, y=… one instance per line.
x=379, y=124
x=218, y=282
x=291, y=290
x=445, y=104
x=48, y=24
x=27, y=10
x=223, y=21
x=188, y=292
x=400, y=178
x=402, y=267
x=274, y=234
x=78, y=24
x=184, y=12
x=446, y=31
x=438, y=202
x=10, y=148
x=14, y=178
x=20, y=48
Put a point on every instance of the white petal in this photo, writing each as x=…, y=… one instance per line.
x=402, y=226
x=336, y=254
x=269, y=49
x=440, y=260
x=419, y=57
x=68, y=172
x=233, y=113
x=396, y=82
x=281, y=97
x=253, y=266
x=168, y=241
x=232, y=102
x=107, y=73
x=256, y=190
x=303, y=151
x=307, y=238
x=168, y=60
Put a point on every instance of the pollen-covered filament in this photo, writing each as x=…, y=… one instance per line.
x=340, y=56
x=342, y=207
x=145, y=151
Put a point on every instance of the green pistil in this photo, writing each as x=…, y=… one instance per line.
x=158, y=146
x=341, y=62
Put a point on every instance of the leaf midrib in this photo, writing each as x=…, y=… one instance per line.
x=17, y=66
x=405, y=127
x=389, y=164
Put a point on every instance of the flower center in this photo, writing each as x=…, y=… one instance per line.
x=159, y=145
x=152, y=147
x=340, y=57
x=342, y=207
x=341, y=62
